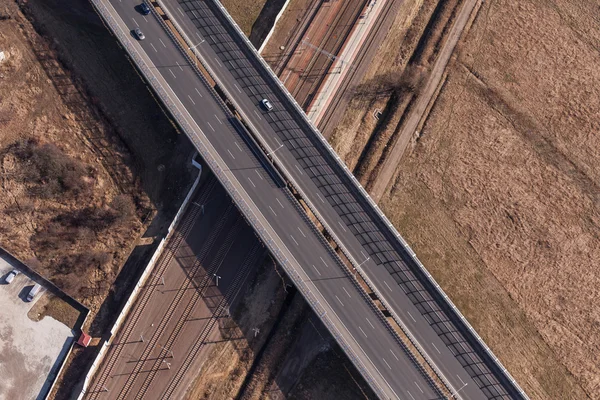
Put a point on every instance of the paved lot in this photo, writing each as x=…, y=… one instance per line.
x=29, y=350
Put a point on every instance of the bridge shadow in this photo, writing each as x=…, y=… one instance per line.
x=237, y=284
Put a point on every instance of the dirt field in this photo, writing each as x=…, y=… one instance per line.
x=244, y=13
x=254, y=17
x=41, y=135
x=67, y=87
x=504, y=181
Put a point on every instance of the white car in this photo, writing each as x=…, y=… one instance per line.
x=140, y=35
x=267, y=104
x=11, y=276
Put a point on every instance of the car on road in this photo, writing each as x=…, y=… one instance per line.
x=140, y=35
x=11, y=276
x=34, y=291
x=144, y=9
x=267, y=104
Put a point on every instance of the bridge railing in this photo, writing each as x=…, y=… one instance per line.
x=219, y=168
x=317, y=134
x=316, y=212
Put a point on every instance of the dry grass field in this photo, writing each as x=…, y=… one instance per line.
x=60, y=205
x=499, y=196
x=244, y=13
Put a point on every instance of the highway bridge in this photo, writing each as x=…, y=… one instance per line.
x=282, y=146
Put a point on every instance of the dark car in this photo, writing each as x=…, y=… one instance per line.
x=144, y=9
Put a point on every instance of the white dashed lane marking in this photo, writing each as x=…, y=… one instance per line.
x=388, y=286
x=419, y=387
x=324, y=262
x=386, y=363
x=190, y=97
x=363, y=332
x=370, y=323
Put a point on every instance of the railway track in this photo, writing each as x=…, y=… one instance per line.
x=196, y=296
x=219, y=311
x=294, y=41
x=174, y=244
x=183, y=288
x=331, y=118
x=319, y=64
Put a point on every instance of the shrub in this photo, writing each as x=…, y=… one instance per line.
x=95, y=219
x=123, y=207
x=52, y=172
x=80, y=264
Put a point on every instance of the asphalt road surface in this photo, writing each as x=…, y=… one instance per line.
x=454, y=350
x=358, y=325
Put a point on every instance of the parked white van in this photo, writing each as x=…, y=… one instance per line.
x=11, y=276
x=34, y=291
